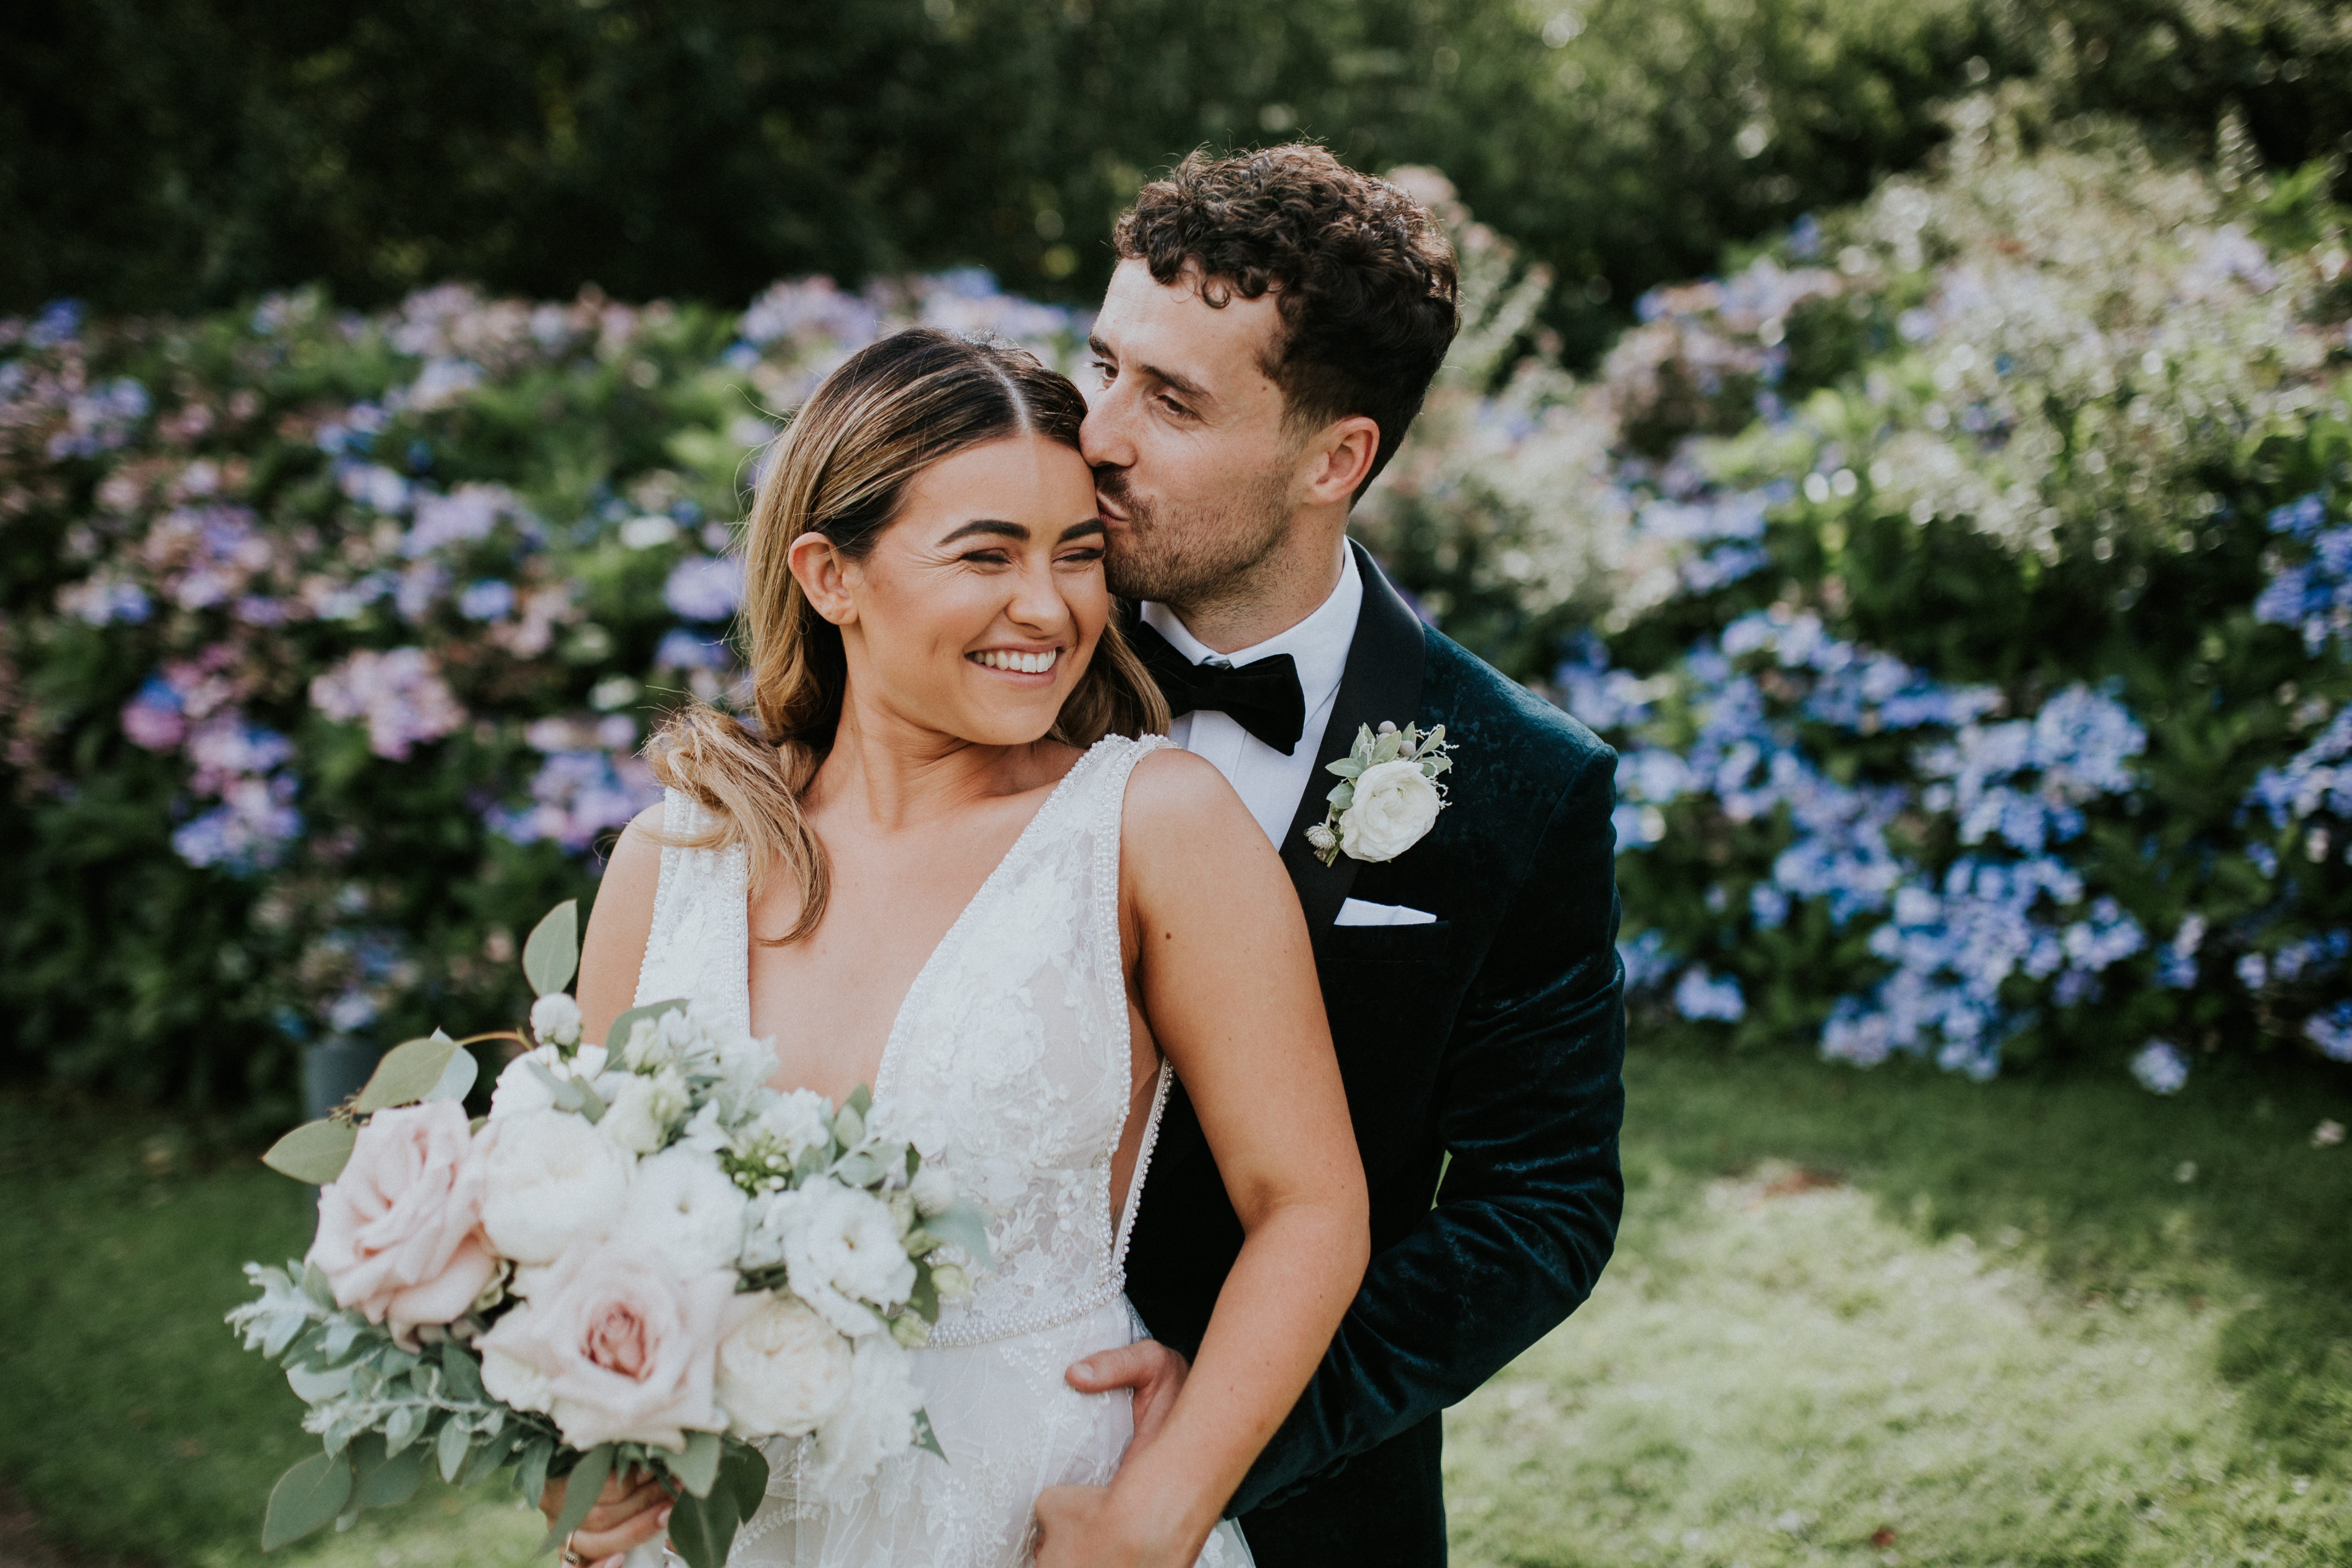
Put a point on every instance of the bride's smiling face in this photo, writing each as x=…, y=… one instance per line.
x=980, y=603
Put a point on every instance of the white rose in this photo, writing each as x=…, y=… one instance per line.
x=555, y=1017
x=548, y=1179
x=520, y=1090
x=682, y=1202
x=1393, y=807
x=875, y=1422
x=842, y=1249
x=643, y=1109
x=782, y=1372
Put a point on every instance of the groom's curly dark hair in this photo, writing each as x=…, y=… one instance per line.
x=1362, y=275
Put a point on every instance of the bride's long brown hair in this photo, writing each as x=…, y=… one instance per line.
x=842, y=470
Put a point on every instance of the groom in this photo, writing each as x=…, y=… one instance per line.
x=1274, y=322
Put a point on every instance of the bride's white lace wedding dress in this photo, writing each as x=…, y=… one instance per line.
x=1008, y=1066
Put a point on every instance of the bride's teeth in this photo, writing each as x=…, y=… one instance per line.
x=1021, y=663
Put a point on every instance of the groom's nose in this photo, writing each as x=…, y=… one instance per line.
x=1103, y=439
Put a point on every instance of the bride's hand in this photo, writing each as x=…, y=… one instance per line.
x=631, y=1510
x=1077, y=1527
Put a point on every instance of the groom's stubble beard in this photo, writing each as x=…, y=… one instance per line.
x=1208, y=557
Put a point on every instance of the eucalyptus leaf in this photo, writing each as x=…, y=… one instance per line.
x=849, y=1126
x=697, y=1467
x=456, y=1080
x=924, y=1436
x=465, y=1374
x=532, y=1475
x=550, y=955
x=965, y=1226
x=1345, y=767
x=861, y=1101
x=744, y=1474
x=616, y=1038
x=305, y=1499
x=485, y=1458
x=408, y=1073
x=315, y=1151
x=579, y=1490
x=859, y=1170
x=315, y=1285
x=403, y=1428
x=396, y=1480
x=450, y=1448
x=925, y=1297
x=701, y=1528
x=1342, y=796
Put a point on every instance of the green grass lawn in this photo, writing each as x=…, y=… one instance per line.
x=1854, y=1318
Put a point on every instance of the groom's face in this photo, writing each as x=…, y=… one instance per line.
x=1194, y=471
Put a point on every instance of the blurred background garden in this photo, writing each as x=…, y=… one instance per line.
x=1914, y=434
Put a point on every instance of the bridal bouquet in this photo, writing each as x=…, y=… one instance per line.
x=642, y=1258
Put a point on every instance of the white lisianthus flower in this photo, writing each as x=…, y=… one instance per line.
x=645, y=1109
x=683, y=1205
x=548, y=1179
x=875, y=1422
x=555, y=1019
x=842, y=1250
x=932, y=1191
x=520, y=1090
x=782, y=1372
x=1394, y=806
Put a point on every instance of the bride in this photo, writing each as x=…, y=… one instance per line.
x=965, y=869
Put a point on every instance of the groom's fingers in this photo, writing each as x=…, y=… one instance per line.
x=1154, y=1372
x=1128, y=1366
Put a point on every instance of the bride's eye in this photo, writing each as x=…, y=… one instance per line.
x=1085, y=555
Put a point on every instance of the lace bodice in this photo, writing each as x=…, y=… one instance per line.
x=1009, y=1063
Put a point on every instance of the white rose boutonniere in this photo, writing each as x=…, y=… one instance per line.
x=1388, y=796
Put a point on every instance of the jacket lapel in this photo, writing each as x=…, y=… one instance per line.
x=1381, y=684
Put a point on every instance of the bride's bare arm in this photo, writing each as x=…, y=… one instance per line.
x=619, y=923
x=1228, y=982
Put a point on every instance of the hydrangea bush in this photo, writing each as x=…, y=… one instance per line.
x=1965, y=582
x=329, y=641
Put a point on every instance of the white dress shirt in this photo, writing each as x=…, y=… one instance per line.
x=1269, y=782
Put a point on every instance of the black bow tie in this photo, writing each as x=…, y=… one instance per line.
x=1262, y=696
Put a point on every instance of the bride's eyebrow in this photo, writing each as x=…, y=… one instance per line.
x=990, y=525
x=1080, y=529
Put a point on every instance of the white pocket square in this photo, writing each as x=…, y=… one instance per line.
x=1356, y=912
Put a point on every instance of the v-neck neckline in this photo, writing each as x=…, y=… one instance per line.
x=890, y=1040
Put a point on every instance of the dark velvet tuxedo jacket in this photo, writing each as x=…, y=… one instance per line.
x=1495, y=1035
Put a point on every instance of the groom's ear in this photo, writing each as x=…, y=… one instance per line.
x=823, y=577
x=1339, y=459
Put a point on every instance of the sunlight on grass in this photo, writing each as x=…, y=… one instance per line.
x=1775, y=1371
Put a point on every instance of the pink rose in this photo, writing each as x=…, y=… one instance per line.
x=400, y=1230
x=618, y=1343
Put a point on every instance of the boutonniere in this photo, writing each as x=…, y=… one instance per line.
x=1388, y=796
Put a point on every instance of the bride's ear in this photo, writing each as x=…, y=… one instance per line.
x=822, y=575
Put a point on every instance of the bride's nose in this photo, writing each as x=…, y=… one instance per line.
x=1037, y=606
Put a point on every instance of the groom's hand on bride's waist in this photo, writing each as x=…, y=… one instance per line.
x=1155, y=1373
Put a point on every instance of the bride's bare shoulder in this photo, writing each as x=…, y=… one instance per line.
x=619, y=923
x=1179, y=806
